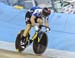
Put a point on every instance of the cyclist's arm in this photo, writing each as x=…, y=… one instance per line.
x=47, y=24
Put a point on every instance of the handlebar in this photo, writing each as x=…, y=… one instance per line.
x=44, y=26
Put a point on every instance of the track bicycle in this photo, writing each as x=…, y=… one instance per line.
x=39, y=40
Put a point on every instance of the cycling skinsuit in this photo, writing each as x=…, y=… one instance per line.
x=35, y=11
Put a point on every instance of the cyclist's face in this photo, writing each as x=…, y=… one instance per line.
x=44, y=14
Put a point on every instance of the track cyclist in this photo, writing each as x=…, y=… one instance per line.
x=36, y=15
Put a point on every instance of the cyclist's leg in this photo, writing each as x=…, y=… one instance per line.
x=24, y=36
x=26, y=31
x=25, y=40
x=40, y=22
x=28, y=24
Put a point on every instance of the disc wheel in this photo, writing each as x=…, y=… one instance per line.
x=40, y=47
x=17, y=42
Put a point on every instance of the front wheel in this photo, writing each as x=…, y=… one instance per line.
x=40, y=47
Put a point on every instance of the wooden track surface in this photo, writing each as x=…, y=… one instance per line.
x=12, y=54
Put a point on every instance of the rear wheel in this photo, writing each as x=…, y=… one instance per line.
x=40, y=47
x=18, y=41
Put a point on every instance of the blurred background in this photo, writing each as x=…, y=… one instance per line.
x=63, y=6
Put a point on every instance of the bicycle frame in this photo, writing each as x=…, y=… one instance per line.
x=36, y=34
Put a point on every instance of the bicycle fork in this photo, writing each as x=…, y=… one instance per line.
x=34, y=37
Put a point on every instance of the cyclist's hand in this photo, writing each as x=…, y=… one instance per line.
x=47, y=29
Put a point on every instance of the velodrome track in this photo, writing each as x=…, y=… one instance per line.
x=11, y=54
x=7, y=50
x=62, y=35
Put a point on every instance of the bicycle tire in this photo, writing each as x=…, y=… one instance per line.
x=17, y=42
x=40, y=47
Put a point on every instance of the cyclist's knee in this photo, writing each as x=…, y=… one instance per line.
x=28, y=27
x=40, y=21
